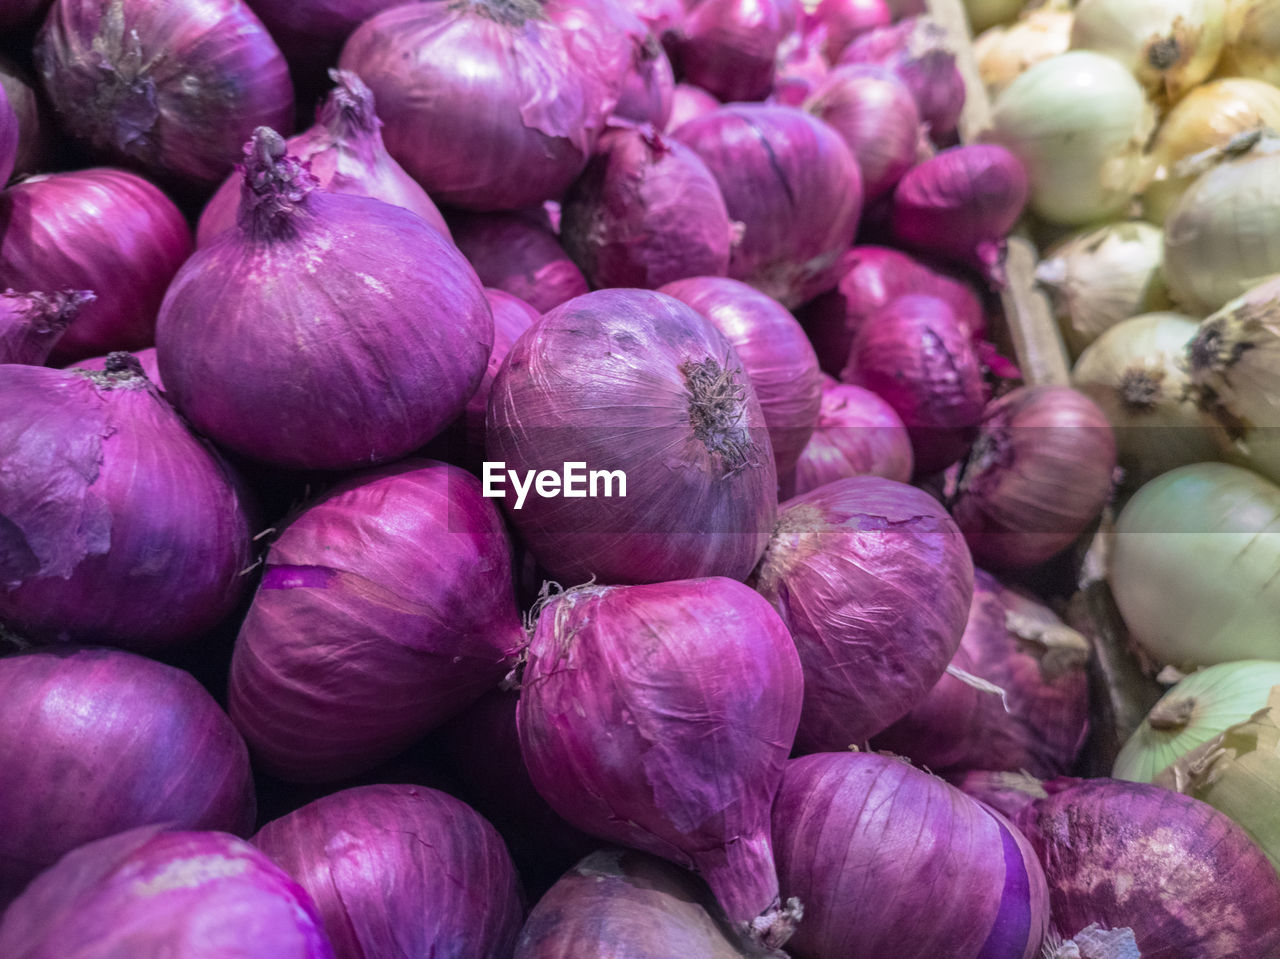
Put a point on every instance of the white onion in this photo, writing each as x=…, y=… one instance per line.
x=1253, y=40
x=1006, y=52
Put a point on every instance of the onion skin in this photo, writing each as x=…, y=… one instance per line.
x=102, y=230
x=845, y=20
x=874, y=582
x=687, y=102
x=98, y=741
x=31, y=323
x=649, y=90
x=891, y=861
x=858, y=434
x=175, y=87
x=1186, y=879
x=146, y=358
x=510, y=252
x=730, y=47
x=354, y=618
x=660, y=717
x=401, y=871
x=150, y=893
x=121, y=526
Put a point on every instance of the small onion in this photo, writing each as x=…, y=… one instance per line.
x=844, y=20
x=649, y=90
x=687, y=102
x=146, y=359
x=858, y=434
x=1039, y=473
x=1006, y=52
x=729, y=47
x=512, y=253
x=31, y=323
x=874, y=582
x=801, y=67
x=34, y=135
x=1252, y=47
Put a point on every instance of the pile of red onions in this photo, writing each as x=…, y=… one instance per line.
x=801, y=67
x=515, y=253
x=858, y=434
x=730, y=47
x=844, y=20
x=31, y=323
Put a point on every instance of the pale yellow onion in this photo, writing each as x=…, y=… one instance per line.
x=1252, y=46
x=1079, y=123
x=1006, y=52
x=1193, y=566
x=1098, y=276
x=988, y=13
x=1207, y=117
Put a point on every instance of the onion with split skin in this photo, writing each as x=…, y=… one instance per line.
x=842, y=21
x=689, y=101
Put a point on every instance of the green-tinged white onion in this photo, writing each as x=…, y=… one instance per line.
x=1195, y=566
x=1097, y=277
x=1006, y=52
x=988, y=13
x=1079, y=123
x=1253, y=40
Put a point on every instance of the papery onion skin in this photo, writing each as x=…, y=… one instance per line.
x=729, y=47
x=32, y=323
x=698, y=464
x=874, y=582
x=511, y=253
x=97, y=741
x=146, y=358
x=1252, y=41
x=1186, y=879
x=401, y=871
x=793, y=184
x=648, y=92
x=120, y=526
x=1039, y=473
x=845, y=20
x=102, y=230
x=689, y=101
x=660, y=717
x=150, y=893
x=890, y=860
x=388, y=603
x=1005, y=52
x=174, y=87
x=858, y=434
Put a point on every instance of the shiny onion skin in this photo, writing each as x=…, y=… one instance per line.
x=891, y=861
x=1187, y=880
x=645, y=211
x=858, y=434
x=384, y=608
x=660, y=717
x=845, y=20
x=874, y=582
x=34, y=135
x=400, y=871
x=118, y=525
x=31, y=323
x=793, y=184
x=153, y=893
x=511, y=252
x=1039, y=473
x=344, y=152
x=648, y=91
x=173, y=87
x=689, y=101
x=729, y=47
x=635, y=381
x=103, y=230
x=777, y=356
x=326, y=331
x=97, y=741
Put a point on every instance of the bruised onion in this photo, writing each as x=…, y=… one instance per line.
x=874, y=582
x=1005, y=792
x=858, y=434
x=844, y=20
x=510, y=252
x=31, y=323
x=687, y=102
x=660, y=717
x=729, y=46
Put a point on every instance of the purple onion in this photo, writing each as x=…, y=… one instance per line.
x=649, y=88
x=311, y=32
x=660, y=717
x=801, y=68
x=146, y=358
x=793, y=184
x=512, y=252
x=119, y=525
x=1005, y=792
x=844, y=20
x=150, y=893
x=729, y=47
x=34, y=135
x=874, y=582
x=97, y=741
x=10, y=136
x=400, y=871
x=687, y=102
x=32, y=323
x=891, y=861
x=384, y=608
x=858, y=434
x=645, y=211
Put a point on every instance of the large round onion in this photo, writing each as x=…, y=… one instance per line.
x=858, y=434
x=119, y=525
x=175, y=87
x=102, y=230
x=31, y=323
x=890, y=861
x=513, y=253
x=635, y=383
x=874, y=581
x=730, y=47
x=97, y=741
x=401, y=871
x=384, y=608
x=793, y=184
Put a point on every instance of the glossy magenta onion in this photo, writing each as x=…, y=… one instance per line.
x=858, y=434
x=729, y=47
x=687, y=102
x=511, y=252
x=844, y=20
x=31, y=323
x=648, y=91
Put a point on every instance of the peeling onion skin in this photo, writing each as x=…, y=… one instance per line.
x=1186, y=879
x=858, y=434
x=891, y=861
x=512, y=253
x=400, y=871
x=31, y=323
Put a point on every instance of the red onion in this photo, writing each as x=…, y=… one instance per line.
x=1039, y=473
x=844, y=20
x=401, y=871
x=645, y=211
x=774, y=351
x=697, y=491
x=345, y=153
x=10, y=136
x=513, y=253
x=120, y=526
x=175, y=87
x=150, y=893
x=687, y=102
x=795, y=186
x=33, y=129
x=97, y=741
x=874, y=581
x=647, y=93
x=146, y=358
x=256, y=338
x=919, y=358
x=858, y=434
x=311, y=32
x=660, y=717
x=662, y=17
x=1187, y=880
x=801, y=67
x=16, y=13
x=729, y=47
x=102, y=230
x=890, y=861
x=31, y=323
x=1038, y=720
x=1005, y=792
x=875, y=114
